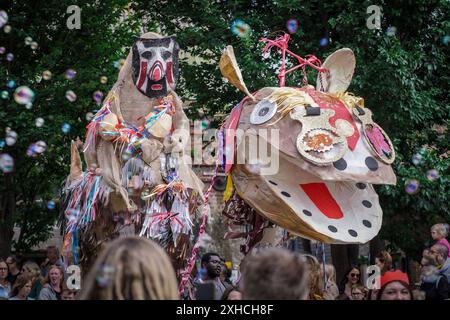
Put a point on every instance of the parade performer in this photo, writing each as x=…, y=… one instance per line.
x=328, y=151
x=137, y=176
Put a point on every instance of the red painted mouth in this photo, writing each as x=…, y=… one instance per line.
x=156, y=87
x=323, y=199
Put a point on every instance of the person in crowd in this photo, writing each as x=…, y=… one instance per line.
x=231, y=293
x=331, y=291
x=211, y=263
x=274, y=274
x=439, y=233
x=5, y=285
x=434, y=285
x=225, y=274
x=143, y=272
x=351, y=277
x=439, y=253
x=32, y=269
x=315, y=278
x=358, y=292
x=53, y=259
x=53, y=284
x=384, y=261
x=21, y=288
x=395, y=286
x=68, y=294
x=13, y=268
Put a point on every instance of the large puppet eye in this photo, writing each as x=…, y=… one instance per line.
x=147, y=55
x=263, y=112
x=166, y=55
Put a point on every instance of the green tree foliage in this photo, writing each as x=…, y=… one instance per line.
x=105, y=34
x=402, y=72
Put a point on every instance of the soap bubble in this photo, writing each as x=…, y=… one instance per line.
x=39, y=147
x=240, y=28
x=11, y=84
x=324, y=42
x=71, y=96
x=2, y=50
x=446, y=39
x=97, y=96
x=7, y=29
x=65, y=128
x=51, y=205
x=5, y=94
x=39, y=122
x=3, y=18
x=391, y=31
x=412, y=186
x=34, y=45
x=11, y=137
x=28, y=41
x=416, y=159
x=89, y=116
x=9, y=57
x=2, y=143
x=103, y=79
x=292, y=25
x=46, y=75
x=23, y=95
x=70, y=74
x=29, y=105
x=6, y=163
x=432, y=175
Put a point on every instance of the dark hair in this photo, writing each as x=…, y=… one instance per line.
x=344, y=278
x=227, y=292
x=403, y=284
x=207, y=256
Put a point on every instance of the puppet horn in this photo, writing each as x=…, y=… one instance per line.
x=230, y=70
x=75, y=162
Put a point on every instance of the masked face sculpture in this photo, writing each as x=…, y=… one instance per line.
x=329, y=153
x=155, y=65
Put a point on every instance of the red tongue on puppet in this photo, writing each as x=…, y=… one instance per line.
x=323, y=199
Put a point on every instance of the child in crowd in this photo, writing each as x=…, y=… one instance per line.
x=439, y=233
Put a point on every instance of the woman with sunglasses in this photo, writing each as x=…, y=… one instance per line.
x=351, y=278
x=5, y=285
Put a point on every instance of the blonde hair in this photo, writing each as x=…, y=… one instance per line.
x=20, y=282
x=330, y=272
x=315, y=276
x=32, y=269
x=440, y=229
x=131, y=268
x=47, y=277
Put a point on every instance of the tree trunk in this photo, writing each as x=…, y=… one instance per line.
x=7, y=208
x=343, y=255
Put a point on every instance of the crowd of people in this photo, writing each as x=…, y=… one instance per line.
x=134, y=268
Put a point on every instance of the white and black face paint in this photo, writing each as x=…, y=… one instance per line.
x=155, y=65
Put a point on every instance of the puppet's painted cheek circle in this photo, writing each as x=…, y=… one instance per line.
x=263, y=112
x=307, y=213
x=341, y=164
x=332, y=229
x=367, y=204
x=361, y=186
x=371, y=163
x=367, y=223
x=353, y=233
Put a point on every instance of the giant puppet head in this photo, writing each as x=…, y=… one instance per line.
x=329, y=151
x=155, y=65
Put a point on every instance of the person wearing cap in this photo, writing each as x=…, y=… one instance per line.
x=395, y=286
